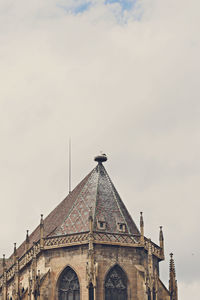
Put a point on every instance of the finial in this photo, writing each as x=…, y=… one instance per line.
x=172, y=264
x=41, y=232
x=141, y=228
x=15, y=253
x=150, y=257
x=41, y=220
x=161, y=237
x=161, y=240
x=27, y=240
x=173, y=289
x=141, y=219
x=90, y=214
x=4, y=261
x=101, y=158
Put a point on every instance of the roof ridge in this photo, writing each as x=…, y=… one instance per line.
x=113, y=192
x=75, y=202
x=91, y=192
x=94, y=217
x=123, y=206
x=34, y=236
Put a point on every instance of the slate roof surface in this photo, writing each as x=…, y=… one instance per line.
x=95, y=193
x=51, y=222
x=99, y=195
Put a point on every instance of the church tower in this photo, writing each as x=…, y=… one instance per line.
x=88, y=248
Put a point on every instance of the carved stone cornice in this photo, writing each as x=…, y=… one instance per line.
x=104, y=238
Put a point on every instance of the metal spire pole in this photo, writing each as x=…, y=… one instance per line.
x=70, y=165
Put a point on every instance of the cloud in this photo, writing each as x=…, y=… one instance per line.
x=189, y=291
x=125, y=83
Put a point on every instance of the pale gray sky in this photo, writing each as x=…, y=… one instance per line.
x=122, y=81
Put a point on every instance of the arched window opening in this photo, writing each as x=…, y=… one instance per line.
x=91, y=292
x=116, y=284
x=68, y=286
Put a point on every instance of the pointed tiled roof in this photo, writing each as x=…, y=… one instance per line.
x=55, y=218
x=98, y=195
x=95, y=193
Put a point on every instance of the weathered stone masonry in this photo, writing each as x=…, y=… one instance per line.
x=88, y=248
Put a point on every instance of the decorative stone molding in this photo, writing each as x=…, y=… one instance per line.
x=124, y=240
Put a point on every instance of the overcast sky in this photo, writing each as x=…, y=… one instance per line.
x=120, y=77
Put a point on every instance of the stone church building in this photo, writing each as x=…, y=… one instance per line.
x=87, y=248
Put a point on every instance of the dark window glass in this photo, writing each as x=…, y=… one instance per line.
x=149, y=294
x=116, y=284
x=91, y=292
x=154, y=294
x=68, y=287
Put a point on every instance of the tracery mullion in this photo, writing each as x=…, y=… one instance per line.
x=116, y=284
x=69, y=288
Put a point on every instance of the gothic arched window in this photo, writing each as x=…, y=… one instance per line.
x=116, y=284
x=68, y=286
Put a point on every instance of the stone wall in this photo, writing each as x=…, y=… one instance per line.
x=51, y=263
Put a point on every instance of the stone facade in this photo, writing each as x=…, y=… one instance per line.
x=88, y=265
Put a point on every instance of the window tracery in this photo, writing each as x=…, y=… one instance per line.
x=116, y=284
x=68, y=287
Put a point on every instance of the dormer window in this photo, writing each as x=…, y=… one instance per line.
x=101, y=224
x=121, y=227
